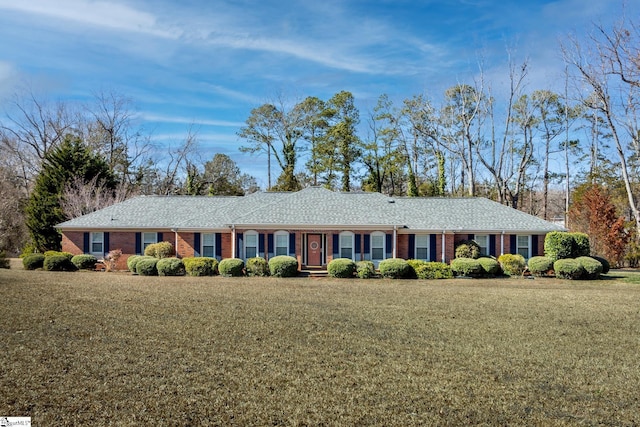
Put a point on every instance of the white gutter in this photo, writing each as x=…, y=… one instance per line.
x=175, y=233
x=502, y=243
x=395, y=241
x=233, y=241
x=443, y=247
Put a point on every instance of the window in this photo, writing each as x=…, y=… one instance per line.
x=148, y=239
x=522, y=246
x=281, y=243
x=97, y=243
x=250, y=244
x=483, y=241
x=422, y=247
x=208, y=245
x=377, y=247
x=346, y=245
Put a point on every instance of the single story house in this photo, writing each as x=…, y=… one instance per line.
x=314, y=225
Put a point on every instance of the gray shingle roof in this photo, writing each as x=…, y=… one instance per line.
x=311, y=207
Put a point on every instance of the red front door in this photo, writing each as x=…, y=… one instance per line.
x=314, y=249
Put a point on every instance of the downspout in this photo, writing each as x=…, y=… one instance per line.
x=395, y=241
x=502, y=243
x=233, y=241
x=443, y=247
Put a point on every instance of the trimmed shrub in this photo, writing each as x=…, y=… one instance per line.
x=258, y=266
x=342, y=268
x=512, y=264
x=365, y=269
x=132, y=261
x=605, y=264
x=58, y=263
x=33, y=261
x=395, y=268
x=283, y=266
x=430, y=269
x=231, y=267
x=159, y=250
x=200, y=266
x=170, y=267
x=490, y=266
x=4, y=261
x=468, y=249
x=468, y=267
x=581, y=246
x=147, y=266
x=568, y=268
x=558, y=245
x=540, y=265
x=84, y=262
x=592, y=267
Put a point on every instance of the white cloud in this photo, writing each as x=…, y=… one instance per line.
x=151, y=117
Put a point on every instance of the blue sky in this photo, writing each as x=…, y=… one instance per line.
x=208, y=63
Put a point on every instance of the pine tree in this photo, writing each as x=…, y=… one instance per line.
x=70, y=160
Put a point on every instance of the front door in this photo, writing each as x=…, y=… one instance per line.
x=314, y=249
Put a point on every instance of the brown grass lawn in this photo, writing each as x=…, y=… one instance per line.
x=110, y=348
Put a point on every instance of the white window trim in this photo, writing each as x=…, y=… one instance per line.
x=92, y=241
x=384, y=247
x=488, y=247
x=145, y=243
x=202, y=245
x=528, y=244
x=275, y=241
x=244, y=243
x=415, y=247
x=353, y=249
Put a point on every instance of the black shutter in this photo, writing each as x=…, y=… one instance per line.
x=433, y=256
x=513, y=242
x=196, y=244
x=492, y=245
x=471, y=236
x=357, y=247
x=412, y=246
x=292, y=244
x=270, y=249
x=389, y=245
x=218, y=246
x=239, y=248
x=534, y=245
x=336, y=246
x=86, y=243
x=261, y=245
x=159, y=237
x=367, y=247
x=138, y=243
x=106, y=243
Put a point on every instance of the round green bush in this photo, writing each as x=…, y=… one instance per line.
x=33, y=261
x=200, y=266
x=257, y=266
x=395, y=268
x=416, y=265
x=540, y=265
x=231, y=267
x=365, y=269
x=132, y=261
x=605, y=264
x=283, y=266
x=84, y=262
x=430, y=269
x=467, y=267
x=342, y=268
x=58, y=263
x=558, y=245
x=512, y=264
x=490, y=266
x=581, y=246
x=568, y=268
x=147, y=266
x=592, y=267
x=159, y=250
x=468, y=249
x=170, y=267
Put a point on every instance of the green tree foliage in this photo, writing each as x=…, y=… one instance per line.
x=342, y=136
x=70, y=160
x=224, y=178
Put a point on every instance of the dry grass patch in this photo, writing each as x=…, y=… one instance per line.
x=99, y=348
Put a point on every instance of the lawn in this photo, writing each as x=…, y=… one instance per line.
x=109, y=348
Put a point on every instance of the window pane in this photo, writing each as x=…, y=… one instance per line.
x=251, y=252
x=149, y=238
x=208, y=251
x=422, y=253
x=524, y=252
x=345, y=253
x=96, y=247
x=523, y=241
x=281, y=250
x=377, y=241
x=422, y=241
x=345, y=240
x=377, y=253
x=96, y=237
x=208, y=239
x=282, y=240
x=251, y=240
